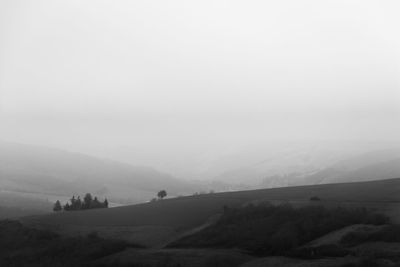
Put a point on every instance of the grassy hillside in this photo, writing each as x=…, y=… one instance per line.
x=384, y=170
x=34, y=169
x=374, y=165
x=163, y=223
x=16, y=204
x=23, y=246
x=186, y=212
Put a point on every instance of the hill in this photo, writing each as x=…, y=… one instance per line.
x=250, y=167
x=379, y=164
x=160, y=221
x=55, y=172
x=366, y=167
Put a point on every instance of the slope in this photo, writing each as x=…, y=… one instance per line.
x=384, y=164
x=188, y=212
x=27, y=168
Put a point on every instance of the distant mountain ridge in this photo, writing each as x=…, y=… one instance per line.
x=35, y=169
x=374, y=165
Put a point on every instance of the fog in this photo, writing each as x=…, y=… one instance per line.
x=178, y=84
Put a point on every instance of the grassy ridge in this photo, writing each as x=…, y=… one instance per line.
x=275, y=230
x=187, y=212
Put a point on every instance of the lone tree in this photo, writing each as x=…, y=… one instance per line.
x=162, y=194
x=57, y=206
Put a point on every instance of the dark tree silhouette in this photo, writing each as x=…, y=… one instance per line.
x=78, y=203
x=67, y=207
x=162, y=194
x=73, y=203
x=96, y=204
x=87, y=201
x=57, y=206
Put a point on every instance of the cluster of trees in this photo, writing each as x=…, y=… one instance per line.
x=88, y=202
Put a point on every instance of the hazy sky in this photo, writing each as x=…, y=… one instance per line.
x=176, y=76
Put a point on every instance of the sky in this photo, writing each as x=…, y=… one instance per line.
x=173, y=79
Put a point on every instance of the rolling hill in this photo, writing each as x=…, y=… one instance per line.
x=48, y=171
x=377, y=164
x=384, y=164
x=152, y=223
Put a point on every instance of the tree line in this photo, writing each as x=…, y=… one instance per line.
x=88, y=202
